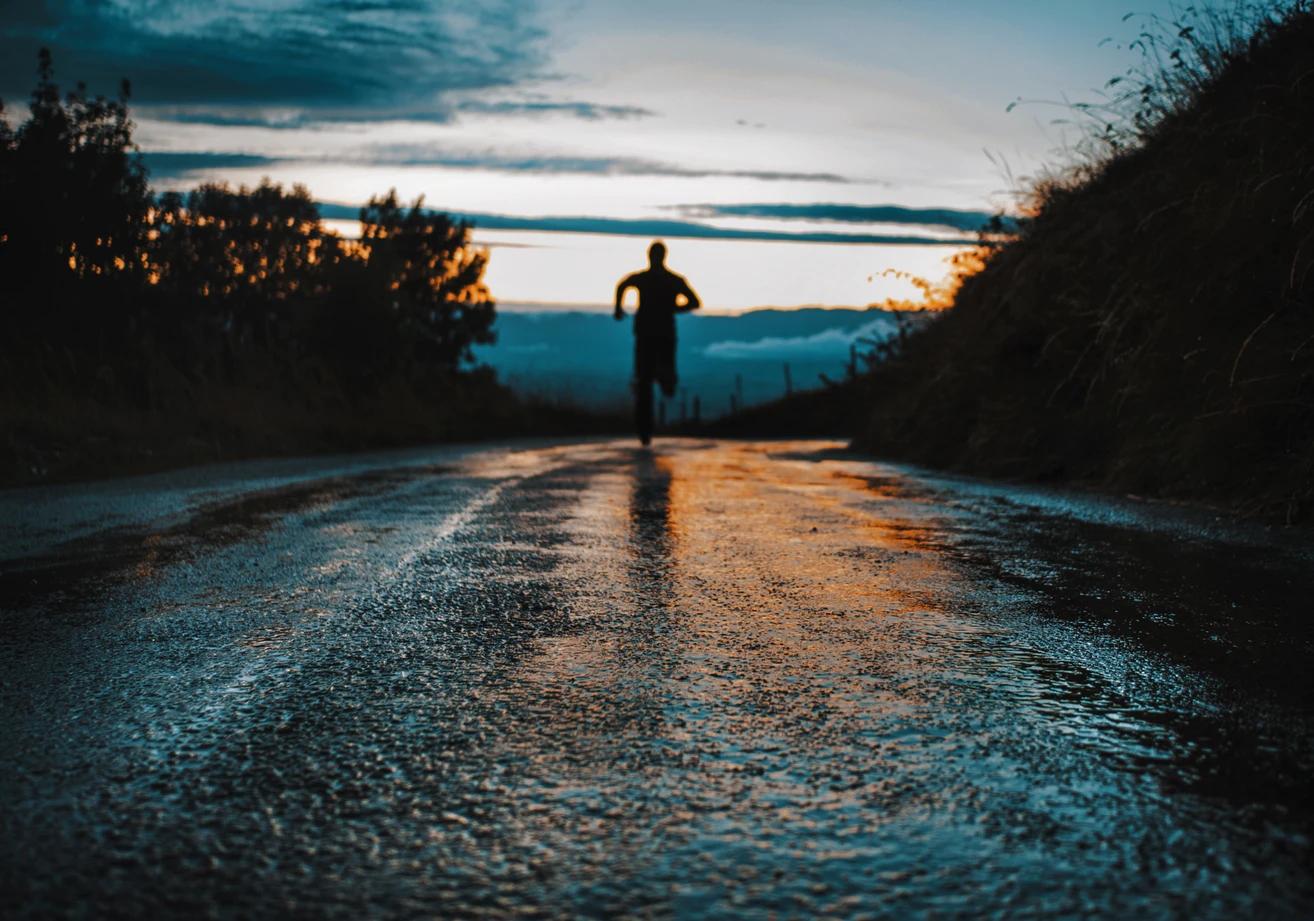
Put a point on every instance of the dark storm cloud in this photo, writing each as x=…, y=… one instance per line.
x=852, y=214
x=335, y=58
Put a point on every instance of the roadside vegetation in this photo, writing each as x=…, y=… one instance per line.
x=145, y=330
x=1149, y=327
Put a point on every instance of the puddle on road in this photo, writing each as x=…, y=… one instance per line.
x=820, y=691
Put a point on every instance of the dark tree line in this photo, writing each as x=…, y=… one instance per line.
x=101, y=279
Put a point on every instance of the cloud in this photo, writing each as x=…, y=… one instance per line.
x=177, y=165
x=417, y=155
x=660, y=228
x=610, y=166
x=425, y=155
x=589, y=111
x=857, y=214
x=293, y=119
x=227, y=118
x=828, y=344
x=332, y=58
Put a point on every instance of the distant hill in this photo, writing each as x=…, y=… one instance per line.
x=586, y=357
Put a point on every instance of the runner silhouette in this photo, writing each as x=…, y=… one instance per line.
x=660, y=291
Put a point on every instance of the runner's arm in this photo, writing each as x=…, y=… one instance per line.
x=626, y=282
x=691, y=301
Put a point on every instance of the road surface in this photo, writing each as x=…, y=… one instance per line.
x=708, y=680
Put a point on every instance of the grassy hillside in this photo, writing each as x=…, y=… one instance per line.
x=1151, y=326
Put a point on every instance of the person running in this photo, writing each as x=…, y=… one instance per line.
x=660, y=293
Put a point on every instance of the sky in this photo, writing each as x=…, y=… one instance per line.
x=791, y=153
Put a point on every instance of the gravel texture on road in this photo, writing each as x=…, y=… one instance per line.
x=711, y=679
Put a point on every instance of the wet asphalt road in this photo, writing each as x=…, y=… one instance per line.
x=708, y=680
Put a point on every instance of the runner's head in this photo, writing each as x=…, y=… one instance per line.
x=656, y=253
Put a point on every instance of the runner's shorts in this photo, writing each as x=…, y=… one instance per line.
x=654, y=360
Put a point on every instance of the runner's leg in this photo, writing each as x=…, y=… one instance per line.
x=643, y=376
x=664, y=366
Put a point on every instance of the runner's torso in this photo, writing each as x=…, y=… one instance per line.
x=658, y=289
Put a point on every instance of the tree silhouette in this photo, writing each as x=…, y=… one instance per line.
x=73, y=202
x=219, y=316
x=423, y=264
x=248, y=279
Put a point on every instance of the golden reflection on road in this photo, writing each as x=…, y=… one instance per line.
x=737, y=608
